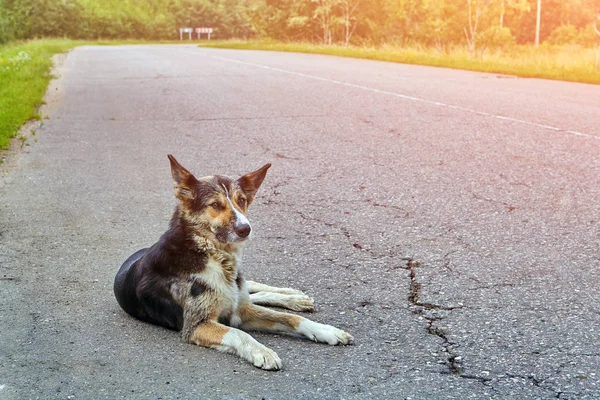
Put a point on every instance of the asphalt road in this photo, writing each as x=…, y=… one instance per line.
x=449, y=220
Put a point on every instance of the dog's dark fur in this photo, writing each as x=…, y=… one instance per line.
x=190, y=280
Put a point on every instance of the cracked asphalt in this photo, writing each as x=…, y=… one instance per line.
x=449, y=220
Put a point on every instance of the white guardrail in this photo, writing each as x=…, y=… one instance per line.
x=199, y=31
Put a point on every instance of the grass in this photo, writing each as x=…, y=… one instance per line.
x=24, y=77
x=568, y=63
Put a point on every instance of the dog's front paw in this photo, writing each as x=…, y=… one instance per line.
x=324, y=333
x=342, y=337
x=334, y=336
x=266, y=358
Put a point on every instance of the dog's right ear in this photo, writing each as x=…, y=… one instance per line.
x=183, y=179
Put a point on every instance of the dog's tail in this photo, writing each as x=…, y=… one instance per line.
x=121, y=288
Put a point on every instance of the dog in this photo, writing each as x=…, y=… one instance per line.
x=190, y=280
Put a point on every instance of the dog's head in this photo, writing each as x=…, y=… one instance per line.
x=215, y=207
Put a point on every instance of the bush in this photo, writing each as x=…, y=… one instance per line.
x=496, y=37
x=588, y=37
x=5, y=35
x=564, y=34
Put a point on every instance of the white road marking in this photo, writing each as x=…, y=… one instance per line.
x=402, y=96
x=528, y=123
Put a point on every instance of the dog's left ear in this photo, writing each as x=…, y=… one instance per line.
x=252, y=181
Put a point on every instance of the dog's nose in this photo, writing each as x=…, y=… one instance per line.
x=243, y=230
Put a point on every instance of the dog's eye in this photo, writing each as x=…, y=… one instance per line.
x=215, y=204
x=242, y=202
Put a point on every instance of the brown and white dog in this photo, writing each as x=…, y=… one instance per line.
x=190, y=280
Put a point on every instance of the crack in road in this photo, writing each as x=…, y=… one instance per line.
x=419, y=307
x=343, y=231
x=453, y=360
x=537, y=382
x=430, y=311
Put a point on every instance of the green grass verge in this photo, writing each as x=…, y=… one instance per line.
x=568, y=63
x=24, y=77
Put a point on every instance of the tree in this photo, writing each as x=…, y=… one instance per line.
x=349, y=8
x=475, y=10
x=597, y=30
x=324, y=13
x=482, y=18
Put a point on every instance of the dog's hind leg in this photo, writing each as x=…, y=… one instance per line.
x=262, y=319
x=231, y=340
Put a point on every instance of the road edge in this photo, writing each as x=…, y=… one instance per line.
x=27, y=135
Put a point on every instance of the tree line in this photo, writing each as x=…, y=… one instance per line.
x=441, y=23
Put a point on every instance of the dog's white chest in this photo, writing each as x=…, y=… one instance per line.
x=226, y=290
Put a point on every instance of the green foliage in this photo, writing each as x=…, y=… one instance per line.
x=24, y=76
x=564, y=34
x=122, y=19
x=496, y=37
x=588, y=37
x=480, y=24
x=443, y=24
